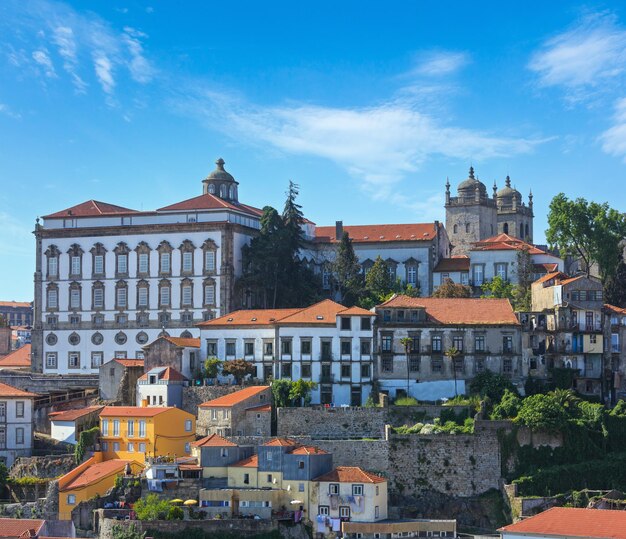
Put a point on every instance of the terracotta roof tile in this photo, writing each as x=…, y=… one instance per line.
x=547, y=268
x=184, y=342
x=130, y=362
x=573, y=522
x=614, y=309
x=211, y=202
x=133, y=411
x=453, y=264
x=549, y=276
x=355, y=311
x=252, y=317
x=15, y=304
x=459, y=311
x=164, y=373
x=9, y=391
x=213, y=440
x=262, y=408
x=350, y=474
x=18, y=358
x=282, y=442
x=234, y=398
x=378, y=233
x=249, y=462
x=308, y=450
x=325, y=312
x=504, y=242
x=95, y=473
x=90, y=208
x=14, y=527
x=72, y=415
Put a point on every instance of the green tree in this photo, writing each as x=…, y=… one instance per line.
x=212, y=367
x=300, y=392
x=589, y=231
x=508, y=407
x=542, y=412
x=522, y=298
x=280, y=392
x=4, y=475
x=347, y=274
x=120, y=531
x=239, y=369
x=492, y=385
x=450, y=289
x=152, y=508
x=615, y=286
x=453, y=354
x=497, y=288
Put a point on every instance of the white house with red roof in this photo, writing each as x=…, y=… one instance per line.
x=16, y=423
x=161, y=386
x=67, y=425
x=326, y=343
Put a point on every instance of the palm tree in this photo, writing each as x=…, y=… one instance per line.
x=453, y=353
x=407, y=342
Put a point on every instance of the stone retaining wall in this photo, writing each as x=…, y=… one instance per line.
x=194, y=396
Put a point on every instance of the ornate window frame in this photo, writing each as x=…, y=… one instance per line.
x=187, y=247
x=98, y=285
x=98, y=250
x=52, y=252
x=49, y=288
x=122, y=249
x=143, y=249
x=165, y=283
x=165, y=247
x=184, y=283
x=205, y=284
x=75, y=250
x=121, y=284
x=209, y=246
x=74, y=285
x=143, y=284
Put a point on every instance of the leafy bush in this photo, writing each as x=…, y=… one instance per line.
x=405, y=429
x=152, y=508
x=492, y=385
x=508, y=407
x=175, y=513
x=406, y=401
x=542, y=412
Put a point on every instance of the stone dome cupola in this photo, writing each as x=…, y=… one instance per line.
x=221, y=183
x=467, y=188
x=509, y=196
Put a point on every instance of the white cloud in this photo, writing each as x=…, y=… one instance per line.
x=440, y=63
x=6, y=110
x=63, y=38
x=614, y=139
x=583, y=59
x=140, y=69
x=42, y=58
x=104, y=72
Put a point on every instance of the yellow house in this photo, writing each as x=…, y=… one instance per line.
x=93, y=477
x=134, y=432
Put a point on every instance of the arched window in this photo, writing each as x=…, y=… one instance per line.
x=75, y=297
x=521, y=230
x=527, y=234
x=211, y=189
x=505, y=228
x=209, y=293
x=222, y=191
x=467, y=228
x=231, y=192
x=455, y=229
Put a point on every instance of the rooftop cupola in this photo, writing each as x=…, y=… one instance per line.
x=221, y=183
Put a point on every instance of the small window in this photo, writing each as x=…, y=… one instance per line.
x=323, y=510
x=142, y=447
x=269, y=478
x=357, y=490
x=19, y=436
x=300, y=487
x=19, y=408
x=366, y=323
x=188, y=425
x=305, y=347
x=346, y=323
x=344, y=511
x=333, y=488
x=188, y=447
x=301, y=465
x=249, y=349
x=71, y=499
x=346, y=348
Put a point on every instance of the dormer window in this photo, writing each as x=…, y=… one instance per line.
x=153, y=379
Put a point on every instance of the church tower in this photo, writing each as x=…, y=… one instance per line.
x=514, y=217
x=220, y=183
x=471, y=215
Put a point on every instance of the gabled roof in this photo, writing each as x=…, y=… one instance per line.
x=15, y=304
x=95, y=473
x=9, y=391
x=129, y=362
x=308, y=450
x=164, y=373
x=573, y=522
x=350, y=474
x=378, y=233
x=211, y=202
x=15, y=527
x=213, y=440
x=615, y=310
x=262, y=408
x=184, y=342
x=545, y=268
x=504, y=242
x=249, y=462
x=236, y=397
x=324, y=312
x=134, y=411
x=72, y=415
x=458, y=311
x=18, y=358
x=282, y=442
x=90, y=208
x=453, y=264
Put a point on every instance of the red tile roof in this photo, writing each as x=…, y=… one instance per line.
x=350, y=474
x=169, y=373
x=213, y=440
x=614, y=309
x=249, y=462
x=19, y=358
x=184, y=342
x=378, y=233
x=453, y=264
x=95, y=473
x=282, y=442
x=211, y=202
x=308, y=450
x=15, y=527
x=459, y=311
x=133, y=411
x=91, y=208
x=504, y=242
x=322, y=313
x=262, y=408
x=130, y=362
x=234, y=398
x=72, y=415
x=573, y=522
x=545, y=268
x=9, y=391
x=15, y=304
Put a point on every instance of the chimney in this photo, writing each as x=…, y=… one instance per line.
x=338, y=230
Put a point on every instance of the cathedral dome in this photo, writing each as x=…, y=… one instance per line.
x=220, y=174
x=507, y=193
x=467, y=188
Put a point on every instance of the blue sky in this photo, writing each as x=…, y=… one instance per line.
x=369, y=106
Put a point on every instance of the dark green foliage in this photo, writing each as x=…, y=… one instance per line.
x=380, y=286
x=152, y=508
x=450, y=289
x=532, y=386
x=347, y=274
x=120, y=531
x=212, y=367
x=542, y=412
x=86, y=440
x=288, y=393
x=563, y=378
x=497, y=288
x=492, y=385
x=175, y=513
x=508, y=407
x=615, y=286
x=4, y=474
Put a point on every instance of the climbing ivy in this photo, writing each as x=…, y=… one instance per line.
x=86, y=440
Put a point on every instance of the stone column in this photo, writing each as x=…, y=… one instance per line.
x=37, y=331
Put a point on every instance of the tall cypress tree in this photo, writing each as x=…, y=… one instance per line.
x=347, y=272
